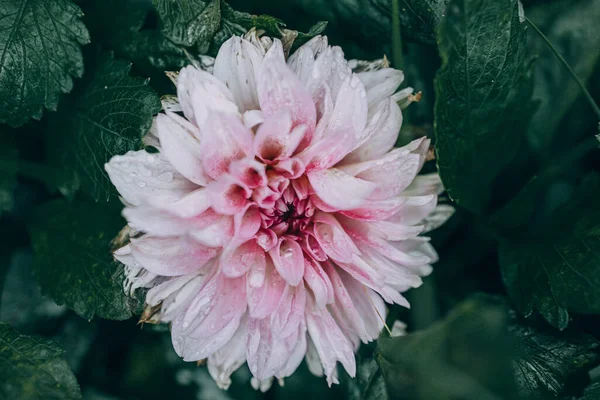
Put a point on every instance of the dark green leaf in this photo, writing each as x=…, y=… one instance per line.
x=453, y=359
x=126, y=34
x=482, y=96
x=106, y=115
x=555, y=269
x=592, y=392
x=547, y=360
x=368, y=383
x=8, y=169
x=571, y=27
x=189, y=22
x=74, y=264
x=39, y=54
x=33, y=368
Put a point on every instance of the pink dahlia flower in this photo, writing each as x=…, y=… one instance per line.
x=276, y=217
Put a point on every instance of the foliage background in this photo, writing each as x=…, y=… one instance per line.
x=511, y=310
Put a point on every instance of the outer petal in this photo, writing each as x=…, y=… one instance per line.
x=141, y=177
x=211, y=319
x=201, y=93
x=180, y=142
x=223, y=362
x=319, y=283
x=340, y=190
x=383, y=129
x=330, y=343
x=171, y=256
x=345, y=128
x=332, y=238
x=236, y=65
x=381, y=84
x=237, y=260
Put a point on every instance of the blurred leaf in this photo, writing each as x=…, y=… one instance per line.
x=368, y=383
x=107, y=114
x=555, y=269
x=74, y=264
x=21, y=301
x=547, y=360
x=128, y=37
x=571, y=27
x=452, y=359
x=8, y=169
x=40, y=53
x=592, y=392
x=33, y=368
x=482, y=97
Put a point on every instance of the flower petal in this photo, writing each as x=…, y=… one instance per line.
x=237, y=260
x=288, y=259
x=180, y=142
x=144, y=178
x=236, y=65
x=223, y=362
x=229, y=140
x=340, y=190
x=381, y=84
x=319, y=283
x=279, y=89
x=265, y=288
x=171, y=256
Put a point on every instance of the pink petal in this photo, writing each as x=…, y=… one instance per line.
x=143, y=178
x=381, y=84
x=222, y=363
x=290, y=313
x=318, y=282
x=266, y=351
x=200, y=93
x=392, y=173
x=295, y=357
x=236, y=65
x=345, y=128
x=288, y=260
x=229, y=140
x=275, y=139
x=376, y=210
x=340, y=190
x=227, y=195
x=279, y=89
x=164, y=223
x=171, y=256
x=247, y=222
x=333, y=239
x=265, y=288
x=237, y=260
x=216, y=234
x=330, y=343
x=382, y=132
x=180, y=142
x=249, y=172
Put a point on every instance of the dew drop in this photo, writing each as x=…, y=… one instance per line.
x=141, y=184
x=165, y=177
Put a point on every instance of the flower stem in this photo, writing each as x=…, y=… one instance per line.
x=397, y=59
x=564, y=62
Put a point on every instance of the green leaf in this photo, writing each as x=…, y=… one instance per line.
x=548, y=360
x=126, y=34
x=39, y=54
x=571, y=27
x=555, y=269
x=467, y=355
x=8, y=169
x=34, y=368
x=592, y=392
x=189, y=22
x=482, y=97
x=107, y=114
x=368, y=383
x=74, y=264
